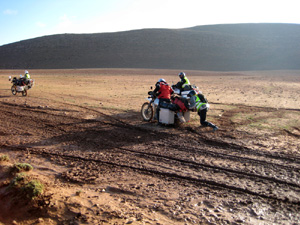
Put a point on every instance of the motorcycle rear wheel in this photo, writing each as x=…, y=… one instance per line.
x=24, y=93
x=147, y=111
x=13, y=90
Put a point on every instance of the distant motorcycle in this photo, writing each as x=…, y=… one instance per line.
x=20, y=85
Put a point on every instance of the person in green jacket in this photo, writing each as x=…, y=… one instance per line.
x=200, y=103
x=184, y=81
x=26, y=77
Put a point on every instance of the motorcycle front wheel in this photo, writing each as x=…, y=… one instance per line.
x=147, y=111
x=13, y=90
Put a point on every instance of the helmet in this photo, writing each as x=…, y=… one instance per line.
x=192, y=93
x=26, y=71
x=181, y=74
x=161, y=80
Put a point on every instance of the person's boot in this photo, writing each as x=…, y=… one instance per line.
x=214, y=127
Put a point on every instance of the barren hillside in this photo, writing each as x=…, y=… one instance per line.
x=216, y=47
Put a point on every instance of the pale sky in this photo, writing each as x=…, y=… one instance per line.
x=25, y=19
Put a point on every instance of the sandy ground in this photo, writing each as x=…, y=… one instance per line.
x=101, y=163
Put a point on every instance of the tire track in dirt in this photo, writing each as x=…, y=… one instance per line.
x=162, y=161
x=214, y=143
x=209, y=183
x=217, y=168
x=193, y=164
x=195, y=167
x=251, y=175
x=217, y=143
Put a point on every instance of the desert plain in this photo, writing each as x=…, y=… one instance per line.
x=100, y=163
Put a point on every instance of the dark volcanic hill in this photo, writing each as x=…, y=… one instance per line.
x=215, y=47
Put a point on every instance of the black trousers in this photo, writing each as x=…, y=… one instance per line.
x=203, y=122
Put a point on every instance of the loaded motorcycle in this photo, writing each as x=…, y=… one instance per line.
x=20, y=85
x=174, y=113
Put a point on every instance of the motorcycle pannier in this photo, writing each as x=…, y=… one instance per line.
x=166, y=116
x=20, y=88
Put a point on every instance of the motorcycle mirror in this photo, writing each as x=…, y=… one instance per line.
x=151, y=87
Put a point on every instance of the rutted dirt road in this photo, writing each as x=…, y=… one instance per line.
x=104, y=165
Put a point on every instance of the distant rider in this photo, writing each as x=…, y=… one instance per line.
x=25, y=78
x=164, y=92
x=200, y=103
x=184, y=81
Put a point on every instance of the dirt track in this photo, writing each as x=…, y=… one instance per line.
x=130, y=171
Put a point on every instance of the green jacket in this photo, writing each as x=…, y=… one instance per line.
x=27, y=76
x=183, y=82
x=199, y=102
x=186, y=82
